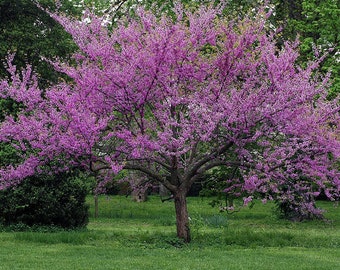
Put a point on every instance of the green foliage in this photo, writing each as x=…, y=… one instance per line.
x=8, y=155
x=217, y=184
x=317, y=25
x=45, y=200
x=8, y=107
x=32, y=34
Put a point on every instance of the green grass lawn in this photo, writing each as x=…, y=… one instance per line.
x=131, y=235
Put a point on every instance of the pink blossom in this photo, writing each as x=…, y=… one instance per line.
x=175, y=98
x=247, y=200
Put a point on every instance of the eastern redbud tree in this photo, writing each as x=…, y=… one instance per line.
x=173, y=97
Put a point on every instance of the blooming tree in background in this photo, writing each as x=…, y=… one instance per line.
x=174, y=98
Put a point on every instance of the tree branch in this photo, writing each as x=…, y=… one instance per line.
x=150, y=173
x=205, y=159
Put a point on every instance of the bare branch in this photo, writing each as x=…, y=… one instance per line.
x=157, y=177
x=206, y=159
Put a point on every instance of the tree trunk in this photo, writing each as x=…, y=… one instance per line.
x=182, y=218
x=96, y=208
x=163, y=191
x=139, y=195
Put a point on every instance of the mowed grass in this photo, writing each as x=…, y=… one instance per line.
x=130, y=235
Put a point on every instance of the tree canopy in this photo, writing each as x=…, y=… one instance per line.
x=173, y=98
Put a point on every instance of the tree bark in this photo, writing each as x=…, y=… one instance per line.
x=96, y=208
x=139, y=195
x=182, y=218
x=163, y=191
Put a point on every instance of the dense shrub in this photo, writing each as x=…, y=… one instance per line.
x=303, y=209
x=46, y=200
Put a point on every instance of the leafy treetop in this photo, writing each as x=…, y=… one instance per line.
x=173, y=99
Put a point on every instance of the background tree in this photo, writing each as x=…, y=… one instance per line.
x=173, y=99
x=317, y=25
x=32, y=34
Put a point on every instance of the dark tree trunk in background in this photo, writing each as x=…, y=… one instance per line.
x=96, y=208
x=139, y=195
x=163, y=191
